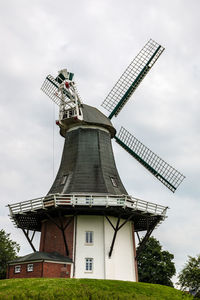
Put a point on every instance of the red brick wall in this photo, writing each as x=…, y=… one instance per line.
x=56, y=270
x=40, y=269
x=52, y=239
x=37, y=271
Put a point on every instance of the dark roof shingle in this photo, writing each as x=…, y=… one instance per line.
x=53, y=256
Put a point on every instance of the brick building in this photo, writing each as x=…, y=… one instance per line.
x=40, y=264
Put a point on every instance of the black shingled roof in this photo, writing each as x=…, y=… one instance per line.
x=35, y=256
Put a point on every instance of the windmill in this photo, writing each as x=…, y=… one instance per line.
x=118, y=97
x=87, y=219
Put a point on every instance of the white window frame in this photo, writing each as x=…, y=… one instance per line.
x=89, y=264
x=29, y=268
x=89, y=238
x=114, y=181
x=64, y=179
x=17, y=269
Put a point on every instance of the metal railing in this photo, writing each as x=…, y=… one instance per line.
x=56, y=200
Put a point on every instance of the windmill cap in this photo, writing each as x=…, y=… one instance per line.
x=91, y=116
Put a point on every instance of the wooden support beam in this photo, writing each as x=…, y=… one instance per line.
x=29, y=240
x=33, y=235
x=145, y=239
x=114, y=237
x=65, y=242
x=129, y=218
x=110, y=222
x=116, y=229
x=62, y=229
x=69, y=221
x=138, y=237
x=53, y=221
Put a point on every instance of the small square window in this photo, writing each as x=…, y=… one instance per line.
x=17, y=269
x=114, y=181
x=30, y=268
x=89, y=264
x=89, y=237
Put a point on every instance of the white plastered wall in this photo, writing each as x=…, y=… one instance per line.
x=121, y=264
x=95, y=251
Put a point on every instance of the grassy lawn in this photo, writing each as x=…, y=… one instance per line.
x=72, y=289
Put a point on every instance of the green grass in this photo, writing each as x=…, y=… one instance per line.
x=90, y=289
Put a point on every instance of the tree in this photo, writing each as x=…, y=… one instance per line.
x=155, y=265
x=8, y=251
x=189, y=276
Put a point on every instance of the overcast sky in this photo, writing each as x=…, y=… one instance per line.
x=96, y=40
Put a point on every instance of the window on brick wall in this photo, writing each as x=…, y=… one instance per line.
x=30, y=268
x=17, y=269
x=88, y=264
x=89, y=237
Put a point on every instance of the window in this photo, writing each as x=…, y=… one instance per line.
x=30, y=268
x=64, y=179
x=89, y=264
x=114, y=181
x=89, y=237
x=17, y=269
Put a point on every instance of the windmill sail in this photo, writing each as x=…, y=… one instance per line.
x=132, y=77
x=169, y=176
x=63, y=92
x=51, y=87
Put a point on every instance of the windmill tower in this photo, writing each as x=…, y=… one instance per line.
x=88, y=220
